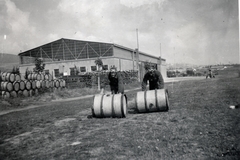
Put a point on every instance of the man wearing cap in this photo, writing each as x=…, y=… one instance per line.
x=155, y=79
x=115, y=81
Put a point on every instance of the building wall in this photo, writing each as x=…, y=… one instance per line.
x=125, y=64
x=64, y=66
x=144, y=58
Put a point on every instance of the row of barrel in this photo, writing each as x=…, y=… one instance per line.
x=31, y=86
x=13, y=85
x=11, y=77
x=24, y=93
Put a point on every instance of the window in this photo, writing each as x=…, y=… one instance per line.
x=56, y=72
x=105, y=67
x=93, y=68
x=82, y=69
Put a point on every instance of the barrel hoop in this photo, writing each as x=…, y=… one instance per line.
x=101, y=106
x=122, y=110
x=156, y=100
x=93, y=113
x=167, y=100
x=113, y=111
x=145, y=100
x=126, y=100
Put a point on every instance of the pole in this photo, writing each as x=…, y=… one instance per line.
x=160, y=59
x=137, y=57
x=160, y=54
x=137, y=40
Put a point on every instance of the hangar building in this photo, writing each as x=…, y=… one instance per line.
x=62, y=56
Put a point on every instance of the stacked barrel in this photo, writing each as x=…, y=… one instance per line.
x=14, y=85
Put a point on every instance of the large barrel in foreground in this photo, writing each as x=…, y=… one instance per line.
x=109, y=106
x=152, y=101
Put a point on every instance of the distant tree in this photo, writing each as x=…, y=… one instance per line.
x=76, y=70
x=190, y=72
x=99, y=63
x=39, y=65
x=27, y=72
x=15, y=70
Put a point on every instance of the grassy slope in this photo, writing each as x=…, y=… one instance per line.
x=199, y=125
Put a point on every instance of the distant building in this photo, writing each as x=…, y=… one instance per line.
x=64, y=55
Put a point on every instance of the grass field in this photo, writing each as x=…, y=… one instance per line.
x=198, y=125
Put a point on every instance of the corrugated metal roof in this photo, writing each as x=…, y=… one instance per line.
x=115, y=45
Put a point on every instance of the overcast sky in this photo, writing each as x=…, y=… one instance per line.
x=189, y=31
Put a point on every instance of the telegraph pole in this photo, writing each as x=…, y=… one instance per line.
x=137, y=57
x=160, y=59
x=160, y=54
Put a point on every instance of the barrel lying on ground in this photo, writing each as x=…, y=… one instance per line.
x=105, y=106
x=6, y=86
x=152, y=101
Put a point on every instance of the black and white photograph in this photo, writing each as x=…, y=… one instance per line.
x=119, y=79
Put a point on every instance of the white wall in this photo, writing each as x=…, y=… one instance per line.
x=64, y=66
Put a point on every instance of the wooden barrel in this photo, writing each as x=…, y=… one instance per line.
x=5, y=94
x=47, y=85
x=56, y=83
x=3, y=76
x=28, y=84
x=50, y=84
x=6, y=86
x=20, y=93
x=38, y=84
x=10, y=77
x=33, y=76
x=30, y=76
x=33, y=84
x=42, y=76
x=50, y=77
x=152, y=100
x=25, y=93
x=36, y=91
x=43, y=83
x=46, y=76
x=31, y=92
x=13, y=94
x=36, y=76
x=62, y=83
x=17, y=77
x=109, y=106
x=16, y=86
x=22, y=85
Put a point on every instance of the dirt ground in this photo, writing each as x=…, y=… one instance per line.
x=198, y=125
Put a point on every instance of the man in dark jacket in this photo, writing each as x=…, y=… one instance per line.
x=115, y=81
x=155, y=79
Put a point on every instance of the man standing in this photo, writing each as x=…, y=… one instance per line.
x=155, y=79
x=209, y=72
x=115, y=81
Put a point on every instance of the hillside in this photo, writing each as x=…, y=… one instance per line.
x=8, y=61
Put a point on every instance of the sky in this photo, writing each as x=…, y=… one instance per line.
x=200, y=32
